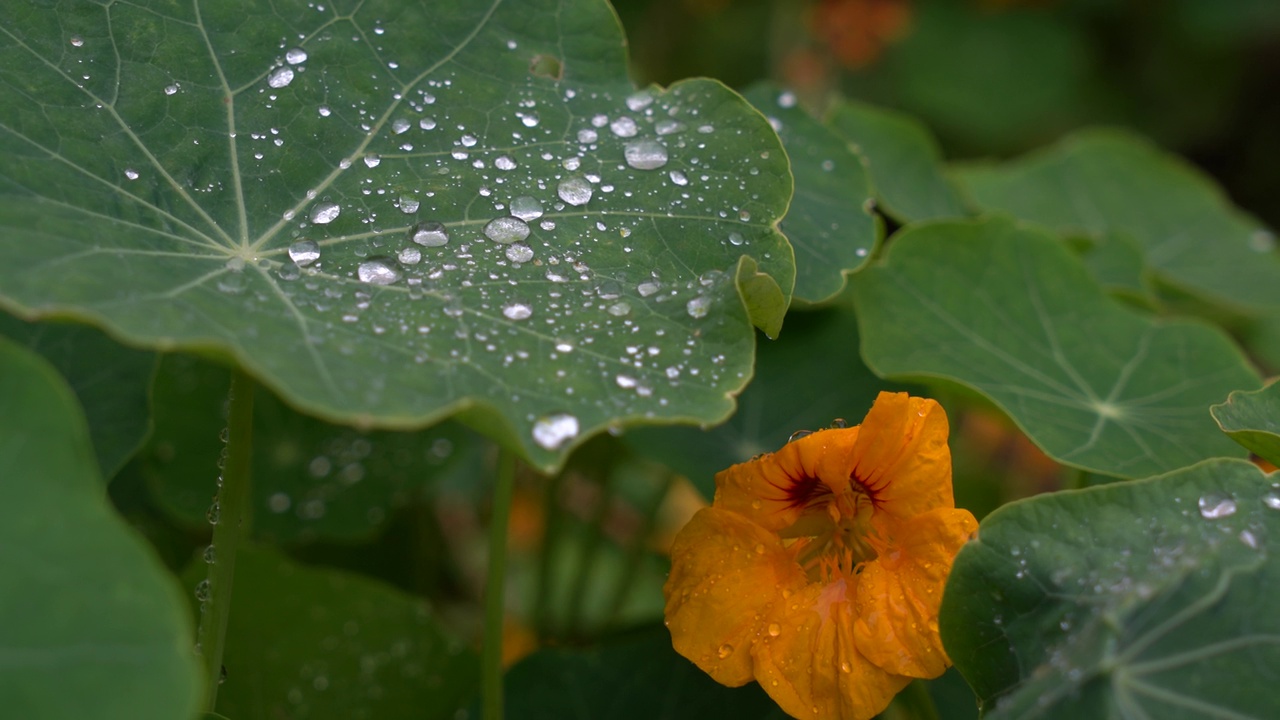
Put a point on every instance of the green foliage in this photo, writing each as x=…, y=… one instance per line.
x=90, y=622
x=1136, y=599
x=1253, y=420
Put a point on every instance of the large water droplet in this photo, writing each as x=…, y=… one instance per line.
x=295, y=56
x=1214, y=506
x=639, y=101
x=280, y=77
x=409, y=204
x=506, y=230
x=504, y=162
x=624, y=127
x=400, y=126
x=519, y=253
x=517, y=311
x=575, y=190
x=325, y=213
x=378, y=271
x=1271, y=500
x=645, y=154
x=552, y=431
x=304, y=253
x=430, y=234
x=526, y=208
x=775, y=629
x=678, y=178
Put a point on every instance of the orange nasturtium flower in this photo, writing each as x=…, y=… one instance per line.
x=818, y=570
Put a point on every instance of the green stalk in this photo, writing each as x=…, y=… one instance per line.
x=232, y=517
x=491, y=655
x=552, y=532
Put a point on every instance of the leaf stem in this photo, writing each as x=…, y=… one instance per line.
x=494, y=606
x=230, y=516
x=552, y=533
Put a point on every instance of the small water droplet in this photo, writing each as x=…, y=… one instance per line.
x=400, y=126
x=325, y=213
x=517, y=311
x=372, y=160
x=698, y=307
x=378, y=271
x=725, y=651
x=280, y=77
x=1215, y=506
x=1249, y=540
x=77, y=41
x=574, y=190
x=526, y=208
x=624, y=127
x=430, y=234
x=409, y=204
x=552, y=431
x=645, y=154
x=668, y=127
x=645, y=289
x=620, y=308
x=304, y=252
x=775, y=629
x=469, y=140
x=131, y=174
x=410, y=256
x=519, y=253
x=214, y=514
x=799, y=434
x=845, y=667
x=504, y=162
x=678, y=178
x=736, y=239
x=506, y=230
x=202, y=590
x=172, y=89
x=210, y=555
x=787, y=99
x=295, y=56
x=1271, y=500
x=1262, y=241
x=639, y=101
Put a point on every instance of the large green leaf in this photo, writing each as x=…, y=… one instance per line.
x=110, y=380
x=904, y=160
x=392, y=211
x=1253, y=420
x=1144, y=599
x=311, y=480
x=805, y=379
x=638, y=676
x=1104, y=181
x=1010, y=312
x=829, y=223
x=91, y=624
x=317, y=643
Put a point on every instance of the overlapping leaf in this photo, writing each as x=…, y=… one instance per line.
x=1010, y=312
x=392, y=211
x=1253, y=420
x=1138, y=599
x=91, y=624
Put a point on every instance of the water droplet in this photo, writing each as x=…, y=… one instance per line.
x=645, y=154
x=504, y=163
x=787, y=99
x=214, y=514
x=736, y=239
x=304, y=252
x=400, y=126
x=1271, y=500
x=620, y=308
x=519, y=253
x=645, y=289
x=131, y=174
x=280, y=77
x=516, y=311
x=845, y=667
x=526, y=208
x=586, y=136
x=575, y=190
x=430, y=234
x=775, y=629
x=378, y=271
x=469, y=140
x=210, y=555
x=427, y=123
x=295, y=56
x=77, y=41
x=325, y=213
x=624, y=127
x=698, y=307
x=409, y=204
x=799, y=434
x=371, y=160
x=668, y=127
x=678, y=178
x=1262, y=241
x=172, y=89
x=202, y=590
x=529, y=119
x=725, y=651
x=639, y=101
x=1249, y=540
x=552, y=431
x=506, y=230
x=1214, y=506
x=410, y=256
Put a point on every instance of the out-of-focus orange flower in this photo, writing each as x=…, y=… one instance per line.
x=858, y=30
x=1263, y=463
x=818, y=570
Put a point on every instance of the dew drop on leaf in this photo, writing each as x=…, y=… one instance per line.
x=1214, y=506
x=378, y=271
x=325, y=213
x=624, y=127
x=552, y=431
x=304, y=252
x=430, y=234
x=526, y=208
x=517, y=311
x=506, y=230
x=645, y=154
x=519, y=253
x=295, y=56
x=575, y=190
x=280, y=77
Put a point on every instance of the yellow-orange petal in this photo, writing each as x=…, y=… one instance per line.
x=900, y=592
x=726, y=575
x=808, y=662
x=902, y=456
x=774, y=489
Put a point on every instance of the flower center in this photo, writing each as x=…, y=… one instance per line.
x=834, y=537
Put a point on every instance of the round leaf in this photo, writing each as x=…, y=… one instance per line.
x=91, y=624
x=390, y=212
x=1011, y=313
x=1148, y=598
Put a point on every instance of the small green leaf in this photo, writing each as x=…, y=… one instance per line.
x=1010, y=312
x=91, y=624
x=110, y=380
x=765, y=301
x=806, y=379
x=1150, y=598
x=1104, y=181
x=904, y=161
x=393, y=212
x=320, y=643
x=638, y=676
x=311, y=480
x=1253, y=420
x=829, y=223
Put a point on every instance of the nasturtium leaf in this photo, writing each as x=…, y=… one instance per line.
x=391, y=211
x=903, y=159
x=829, y=223
x=1253, y=420
x=91, y=624
x=636, y=676
x=1116, y=261
x=319, y=643
x=1008, y=311
x=1106, y=181
x=311, y=480
x=110, y=380
x=805, y=380
x=1150, y=598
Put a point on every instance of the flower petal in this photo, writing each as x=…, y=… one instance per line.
x=902, y=456
x=812, y=667
x=775, y=489
x=899, y=593
x=726, y=574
